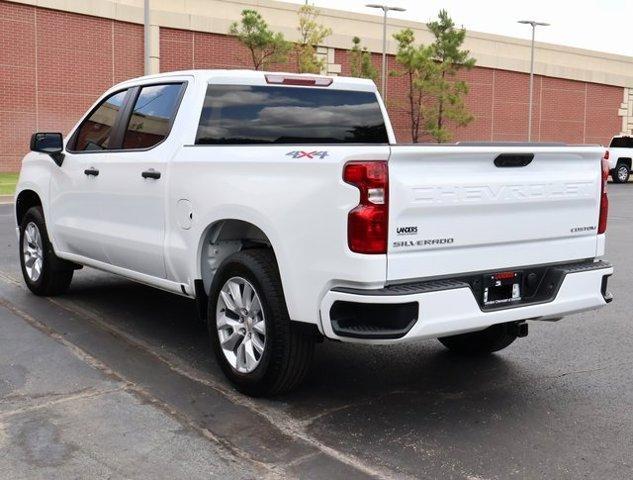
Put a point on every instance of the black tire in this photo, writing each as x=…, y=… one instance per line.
x=56, y=274
x=287, y=352
x=621, y=173
x=483, y=342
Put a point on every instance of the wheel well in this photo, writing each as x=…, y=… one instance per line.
x=626, y=161
x=224, y=238
x=26, y=199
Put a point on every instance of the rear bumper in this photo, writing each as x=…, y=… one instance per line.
x=449, y=307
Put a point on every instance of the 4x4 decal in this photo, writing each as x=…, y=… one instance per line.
x=302, y=154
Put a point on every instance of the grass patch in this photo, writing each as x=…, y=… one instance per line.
x=7, y=183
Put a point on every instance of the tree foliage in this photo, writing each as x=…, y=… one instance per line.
x=435, y=95
x=311, y=35
x=447, y=92
x=360, y=61
x=420, y=69
x=264, y=45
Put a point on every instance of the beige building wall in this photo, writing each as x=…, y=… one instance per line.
x=626, y=112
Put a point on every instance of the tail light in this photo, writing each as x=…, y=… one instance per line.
x=606, y=155
x=604, y=199
x=368, y=223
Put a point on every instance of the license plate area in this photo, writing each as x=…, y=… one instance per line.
x=502, y=288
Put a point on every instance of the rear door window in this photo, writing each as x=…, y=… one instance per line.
x=622, y=142
x=245, y=114
x=96, y=131
x=152, y=116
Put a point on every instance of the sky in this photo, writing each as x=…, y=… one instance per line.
x=603, y=25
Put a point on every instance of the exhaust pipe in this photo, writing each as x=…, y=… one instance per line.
x=520, y=329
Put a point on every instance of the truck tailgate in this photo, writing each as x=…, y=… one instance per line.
x=459, y=209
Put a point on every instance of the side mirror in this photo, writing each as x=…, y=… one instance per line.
x=49, y=143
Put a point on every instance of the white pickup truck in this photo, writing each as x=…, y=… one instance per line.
x=284, y=206
x=619, y=155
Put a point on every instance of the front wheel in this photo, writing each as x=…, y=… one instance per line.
x=251, y=333
x=483, y=342
x=44, y=273
x=621, y=173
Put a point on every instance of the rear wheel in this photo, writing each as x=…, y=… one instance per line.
x=621, y=173
x=483, y=342
x=44, y=273
x=252, y=336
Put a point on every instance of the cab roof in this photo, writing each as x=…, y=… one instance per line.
x=253, y=77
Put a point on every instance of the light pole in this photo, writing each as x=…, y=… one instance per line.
x=147, y=37
x=385, y=9
x=534, y=24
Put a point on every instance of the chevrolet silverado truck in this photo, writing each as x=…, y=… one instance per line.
x=283, y=205
x=619, y=155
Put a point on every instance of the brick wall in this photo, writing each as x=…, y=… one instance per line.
x=180, y=50
x=563, y=111
x=54, y=65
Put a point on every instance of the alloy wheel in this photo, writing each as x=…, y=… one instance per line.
x=241, y=324
x=623, y=173
x=33, y=252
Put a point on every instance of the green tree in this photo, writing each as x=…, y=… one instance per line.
x=265, y=46
x=447, y=92
x=311, y=35
x=360, y=61
x=421, y=70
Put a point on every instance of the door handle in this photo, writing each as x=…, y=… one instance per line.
x=91, y=172
x=151, y=173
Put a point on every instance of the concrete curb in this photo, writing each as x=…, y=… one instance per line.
x=6, y=199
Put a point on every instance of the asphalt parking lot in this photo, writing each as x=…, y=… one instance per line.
x=115, y=380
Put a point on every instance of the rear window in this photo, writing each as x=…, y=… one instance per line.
x=244, y=114
x=622, y=142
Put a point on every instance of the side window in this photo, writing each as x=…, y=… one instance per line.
x=153, y=113
x=96, y=130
